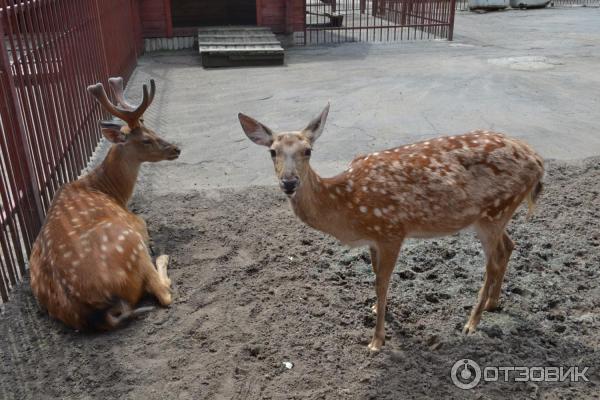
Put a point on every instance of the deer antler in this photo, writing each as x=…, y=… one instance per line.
x=124, y=110
x=116, y=84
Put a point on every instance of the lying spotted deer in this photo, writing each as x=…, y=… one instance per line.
x=427, y=189
x=90, y=263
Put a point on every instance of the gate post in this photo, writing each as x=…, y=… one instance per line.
x=451, y=22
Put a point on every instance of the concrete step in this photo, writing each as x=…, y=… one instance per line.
x=232, y=46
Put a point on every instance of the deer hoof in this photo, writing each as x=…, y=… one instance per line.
x=468, y=329
x=166, y=298
x=375, y=345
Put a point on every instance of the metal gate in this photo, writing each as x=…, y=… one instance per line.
x=49, y=52
x=575, y=3
x=334, y=21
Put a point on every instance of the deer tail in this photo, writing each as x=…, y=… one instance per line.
x=114, y=315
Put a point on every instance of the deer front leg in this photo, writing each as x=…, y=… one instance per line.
x=157, y=281
x=373, y=251
x=162, y=262
x=386, y=260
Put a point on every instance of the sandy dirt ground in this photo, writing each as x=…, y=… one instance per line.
x=254, y=288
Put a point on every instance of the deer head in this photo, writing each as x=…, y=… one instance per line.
x=137, y=140
x=290, y=151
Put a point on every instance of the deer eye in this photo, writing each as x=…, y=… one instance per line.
x=273, y=153
x=146, y=141
x=307, y=152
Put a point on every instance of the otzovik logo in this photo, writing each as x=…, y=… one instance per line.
x=466, y=374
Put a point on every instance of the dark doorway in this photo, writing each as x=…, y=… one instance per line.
x=188, y=13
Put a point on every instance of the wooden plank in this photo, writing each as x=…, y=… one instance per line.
x=238, y=46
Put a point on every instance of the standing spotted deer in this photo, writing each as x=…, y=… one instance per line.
x=422, y=190
x=90, y=263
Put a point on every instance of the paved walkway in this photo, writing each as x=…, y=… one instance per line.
x=533, y=74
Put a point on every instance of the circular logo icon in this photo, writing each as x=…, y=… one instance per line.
x=465, y=374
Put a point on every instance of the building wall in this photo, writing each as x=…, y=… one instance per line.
x=283, y=16
x=156, y=18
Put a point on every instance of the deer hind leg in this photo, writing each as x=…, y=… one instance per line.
x=505, y=248
x=386, y=260
x=373, y=251
x=157, y=281
x=495, y=246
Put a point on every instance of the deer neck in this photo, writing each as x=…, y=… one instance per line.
x=116, y=176
x=313, y=202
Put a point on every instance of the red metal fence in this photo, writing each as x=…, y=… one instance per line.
x=332, y=21
x=463, y=5
x=49, y=52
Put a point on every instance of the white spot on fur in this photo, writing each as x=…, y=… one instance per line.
x=377, y=212
x=119, y=249
x=363, y=209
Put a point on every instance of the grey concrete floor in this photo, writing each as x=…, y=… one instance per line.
x=531, y=74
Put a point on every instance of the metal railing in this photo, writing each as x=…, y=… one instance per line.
x=49, y=52
x=333, y=21
x=575, y=3
x=463, y=5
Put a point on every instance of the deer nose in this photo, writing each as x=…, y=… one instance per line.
x=176, y=150
x=289, y=185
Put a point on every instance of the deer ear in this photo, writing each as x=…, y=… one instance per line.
x=112, y=131
x=256, y=131
x=314, y=129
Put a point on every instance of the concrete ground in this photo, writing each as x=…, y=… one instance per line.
x=532, y=74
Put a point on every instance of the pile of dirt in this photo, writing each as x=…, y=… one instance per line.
x=255, y=288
